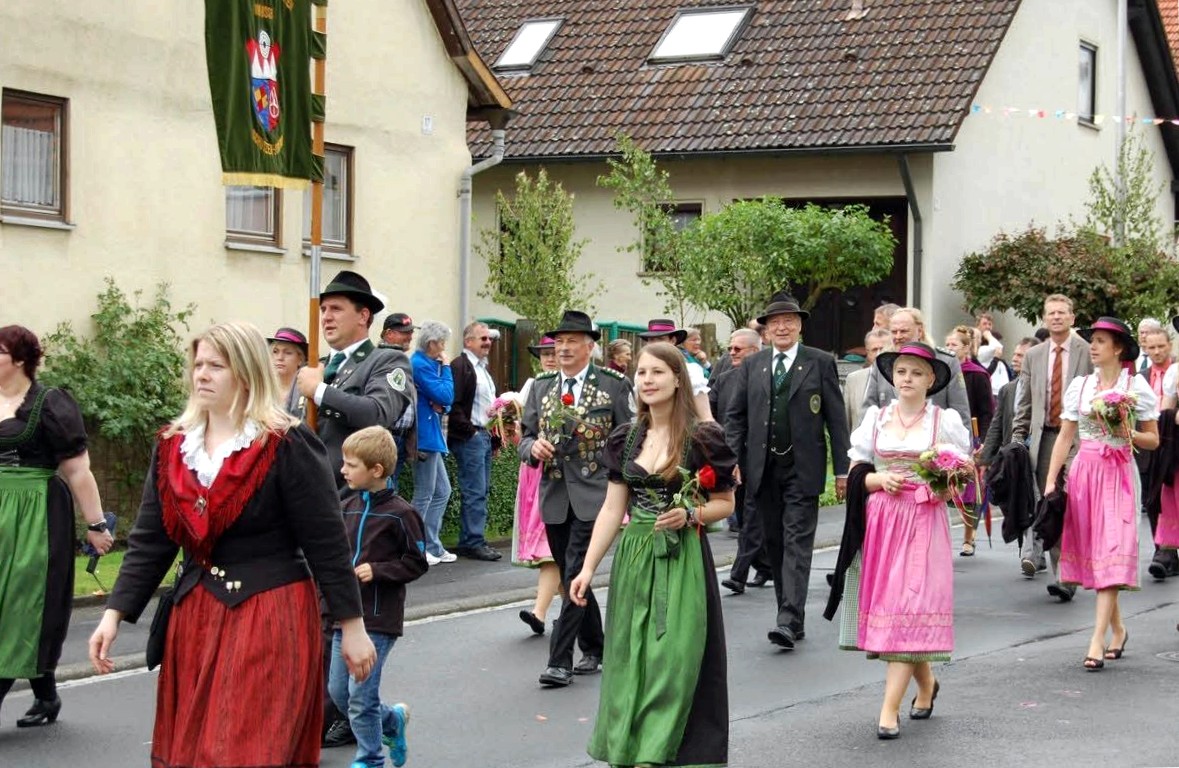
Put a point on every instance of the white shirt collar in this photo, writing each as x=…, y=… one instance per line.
x=348, y=350
x=579, y=376
x=206, y=466
x=475, y=359
x=789, y=352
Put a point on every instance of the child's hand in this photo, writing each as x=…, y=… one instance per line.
x=364, y=572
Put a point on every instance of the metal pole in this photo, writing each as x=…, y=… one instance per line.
x=319, y=81
x=1120, y=133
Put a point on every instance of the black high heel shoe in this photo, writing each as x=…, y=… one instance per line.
x=924, y=713
x=1113, y=654
x=41, y=713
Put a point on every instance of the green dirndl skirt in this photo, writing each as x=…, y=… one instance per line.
x=664, y=660
x=24, y=563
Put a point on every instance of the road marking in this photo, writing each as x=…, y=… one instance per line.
x=103, y=678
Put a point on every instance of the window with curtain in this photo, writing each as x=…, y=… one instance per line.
x=33, y=169
x=252, y=214
x=337, y=200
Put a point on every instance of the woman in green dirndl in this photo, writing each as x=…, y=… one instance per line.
x=664, y=698
x=44, y=469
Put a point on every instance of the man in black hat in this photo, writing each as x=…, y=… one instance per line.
x=568, y=416
x=357, y=386
x=785, y=403
x=397, y=333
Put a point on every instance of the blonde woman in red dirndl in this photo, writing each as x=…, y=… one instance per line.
x=246, y=491
x=1099, y=541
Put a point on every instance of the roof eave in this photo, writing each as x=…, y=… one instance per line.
x=1158, y=68
x=486, y=96
x=866, y=149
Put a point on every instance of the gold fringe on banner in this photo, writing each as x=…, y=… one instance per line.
x=265, y=180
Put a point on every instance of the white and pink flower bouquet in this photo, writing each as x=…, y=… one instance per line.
x=1114, y=412
x=505, y=413
x=947, y=471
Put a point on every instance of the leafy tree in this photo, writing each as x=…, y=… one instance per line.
x=532, y=256
x=1136, y=209
x=643, y=189
x=127, y=378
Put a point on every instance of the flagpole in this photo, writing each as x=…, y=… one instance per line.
x=319, y=81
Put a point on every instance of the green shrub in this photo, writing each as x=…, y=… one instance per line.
x=128, y=381
x=501, y=497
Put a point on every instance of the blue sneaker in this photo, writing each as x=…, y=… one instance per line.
x=396, y=743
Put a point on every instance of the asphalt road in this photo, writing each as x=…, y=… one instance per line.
x=1015, y=695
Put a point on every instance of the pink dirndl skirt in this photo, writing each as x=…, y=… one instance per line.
x=1166, y=534
x=530, y=545
x=907, y=581
x=1099, y=543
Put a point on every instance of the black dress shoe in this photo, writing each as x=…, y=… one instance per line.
x=924, y=713
x=41, y=713
x=556, y=677
x=734, y=586
x=759, y=580
x=530, y=618
x=1157, y=570
x=888, y=734
x=589, y=665
x=339, y=734
x=783, y=637
x=482, y=552
x=1061, y=592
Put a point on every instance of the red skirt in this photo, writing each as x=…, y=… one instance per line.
x=241, y=686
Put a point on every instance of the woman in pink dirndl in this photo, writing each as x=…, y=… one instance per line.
x=530, y=545
x=1099, y=540
x=899, y=595
x=1166, y=534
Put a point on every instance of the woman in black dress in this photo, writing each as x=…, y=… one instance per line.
x=44, y=468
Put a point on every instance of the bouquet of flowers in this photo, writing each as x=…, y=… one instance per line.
x=1113, y=411
x=947, y=470
x=560, y=415
x=689, y=493
x=505, y=415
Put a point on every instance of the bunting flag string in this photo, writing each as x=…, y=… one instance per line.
x=1061, y=114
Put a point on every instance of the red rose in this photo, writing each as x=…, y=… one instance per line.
x=706, y=477
x=567, y=399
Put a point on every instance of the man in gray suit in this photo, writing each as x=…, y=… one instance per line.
x=358, y=385
x=855, y=386
x=568, y=438
x=908, y=324
x=1045, y=375
x=785, y=402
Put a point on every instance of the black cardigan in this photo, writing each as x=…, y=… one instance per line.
x=1012, y=480
x=458, y=423
x=292, y=521
x=854, y=526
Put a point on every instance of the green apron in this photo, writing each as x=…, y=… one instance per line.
x=656, y=622
x=24, y=562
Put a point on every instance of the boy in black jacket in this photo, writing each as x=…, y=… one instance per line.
x=388, y=552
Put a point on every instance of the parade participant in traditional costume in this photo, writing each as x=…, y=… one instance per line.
x=962, y=344
x=1156, y=347
x=530, y=544
x=567, y=417
x=44, y=471
x=786, y=405
x=1099, y=541
x=662, y=329
x=288, y=353
x=664, y=697
x=247, y=492
x=899, y=599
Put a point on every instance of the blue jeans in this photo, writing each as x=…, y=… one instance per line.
x=399, y=441
x=474, y=477
x=369, y=718
x=431, y=492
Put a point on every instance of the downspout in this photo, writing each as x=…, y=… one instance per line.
x=465, y=186
x=915, y=211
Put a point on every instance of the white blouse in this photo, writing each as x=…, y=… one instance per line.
x=1078, y=398
x=864, y=439
x=1171, y=381
x=198, y=459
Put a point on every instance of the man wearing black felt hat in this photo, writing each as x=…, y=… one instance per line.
x=568, y=416
x=785, y=404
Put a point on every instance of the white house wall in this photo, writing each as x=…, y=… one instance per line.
x=714, y=182
x=145, y=192
x=1007, y=172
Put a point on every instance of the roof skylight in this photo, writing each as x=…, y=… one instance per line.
x=700, y=34
x=528, y=44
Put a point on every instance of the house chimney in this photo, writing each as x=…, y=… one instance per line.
x=857, y=11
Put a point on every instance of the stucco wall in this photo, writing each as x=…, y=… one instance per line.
x=145, y=192
x=713, y=182
x=1007, y=172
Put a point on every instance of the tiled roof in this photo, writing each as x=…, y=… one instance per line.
x=802, y=75
x=1169, y=10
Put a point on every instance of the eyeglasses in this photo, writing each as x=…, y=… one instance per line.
x=738, y=349
x=480, y=338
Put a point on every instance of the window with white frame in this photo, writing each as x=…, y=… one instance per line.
x=337, y=200
x=253, y=214
x=1087, y=83
x=700, y=34
x=33, y=167
x=530, y=41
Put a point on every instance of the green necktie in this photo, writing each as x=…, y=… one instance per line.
x=329, y=373
x=780, y=371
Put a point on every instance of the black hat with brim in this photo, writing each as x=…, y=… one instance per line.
x=782, y=304
x=1175, y=322
x=546, y=343
x=941, y=371
x=660, y=327
x=1119, y=329
x=355, y=287
x=290, y=336
x=575, y=322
